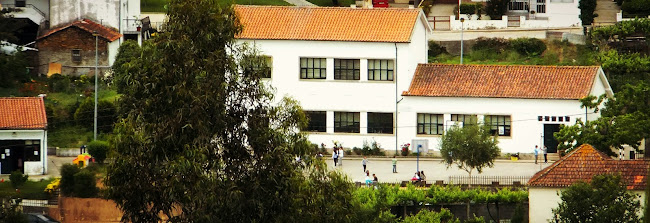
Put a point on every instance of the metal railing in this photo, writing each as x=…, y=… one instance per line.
x=27, y=6
x=489, y=180
x=35, y=203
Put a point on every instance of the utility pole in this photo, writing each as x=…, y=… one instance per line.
x=96, y=83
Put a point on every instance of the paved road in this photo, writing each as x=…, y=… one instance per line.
x=434, y=169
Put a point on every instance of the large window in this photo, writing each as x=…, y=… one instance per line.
x=380, y=70
x=499, y=124
x=465, y=119
x=260, y=64
x=430, y=124
x=518, y=5
x=313, y=68
x=317, y=121
x=32, y=150
x=346, y=122
x=541, y=6
x=346, y=69
x=380, y=123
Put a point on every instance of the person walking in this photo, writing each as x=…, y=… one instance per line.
x=364, y=162
x=536, y=151
x=394, y=164
x=341, y=152
x=545, y=150
x=335, y=156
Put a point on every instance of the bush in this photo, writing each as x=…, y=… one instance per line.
x=58, y=83
x=356, y=150
x=17, y=179
x=431, y=216
x=435, y=49
x=98, y=150
x=371, y=149
x=496, y=8
x=67, y=184
x=470, y=9
x=528, y=46
x=85, y=184
x=636, y=8
x=587, y=8
x=497, y=45
x=106, y=115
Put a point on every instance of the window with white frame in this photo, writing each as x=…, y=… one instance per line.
x=347, y=69
x=499, y=124
x=259, y=64
x=518, y=5
x=380, y=70
x=541, y=6
x=430, y=124
x=313, y=68
x=380, y=122
x=346, y=122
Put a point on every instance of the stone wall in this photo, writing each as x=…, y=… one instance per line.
x=57, y=48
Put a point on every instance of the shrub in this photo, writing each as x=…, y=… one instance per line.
x=518, y=215
x=106, y=115
x=497, y=45
x=58, y=83
x=17, y=179
x=85, y=184
x=431, y=216
x=587, y=8
x=372, y=148
x=98, y=150
x=67, y=183
x=356, y=150
x=496, y=8
x=435, y=49
x=636, y=8
x=528, y=46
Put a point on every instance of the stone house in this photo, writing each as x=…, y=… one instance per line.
x=70, y=48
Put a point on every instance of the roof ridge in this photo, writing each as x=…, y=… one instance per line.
x=323, y=7
x=548, y=169
x=509, y=65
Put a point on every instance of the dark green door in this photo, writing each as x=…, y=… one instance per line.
x=549, y=140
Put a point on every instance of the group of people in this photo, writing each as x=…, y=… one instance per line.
x=419, y=177
x=544, y=151
x=337, y=156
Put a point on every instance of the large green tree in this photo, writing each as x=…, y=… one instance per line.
x=469, y=147
x=605, y=199
x=200, y=138
x=625, y=120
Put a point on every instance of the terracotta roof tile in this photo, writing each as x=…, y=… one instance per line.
x=22, y=113
x=87, y=25
x=327, y=23
x=585, y=162
x=502, y=81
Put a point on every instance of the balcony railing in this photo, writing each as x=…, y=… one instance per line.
x=26, y=6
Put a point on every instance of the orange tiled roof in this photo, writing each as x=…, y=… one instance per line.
x=585, y=162
x=87, y=25
x=22, y=113
x=502, y=81
x=326, y=23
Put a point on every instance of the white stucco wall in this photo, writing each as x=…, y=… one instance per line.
x=344, y=95
x=526, y=130
x=541, y=202
x=36, y=10
x=36, y=167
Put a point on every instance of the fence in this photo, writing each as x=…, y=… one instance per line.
x=489, y=180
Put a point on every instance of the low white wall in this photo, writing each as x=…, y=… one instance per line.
x=33, y=167
x=474, y=23
x=541, y=202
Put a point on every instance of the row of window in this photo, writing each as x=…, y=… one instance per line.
x=427, y=124
x=350, y=122
x=346, y=69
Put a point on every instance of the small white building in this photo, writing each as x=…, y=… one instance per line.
x=346, y=66
x=558, y=13
x=523, y=104
x=23, y=136
x=580, y=165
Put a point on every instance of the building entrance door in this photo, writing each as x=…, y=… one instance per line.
x=549, y=140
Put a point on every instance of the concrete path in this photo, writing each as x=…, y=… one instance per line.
x=300, y=2
x=606, y=10
x=434, y=169
x=439, y=35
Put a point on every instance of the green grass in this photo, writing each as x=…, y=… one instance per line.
x=344, y=3
x=31, y=189
x=69, y=136
x=159, y=5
